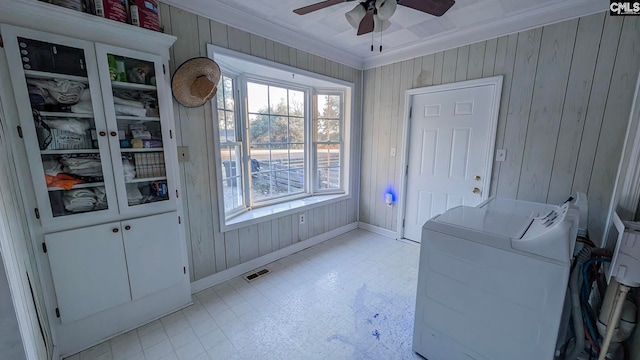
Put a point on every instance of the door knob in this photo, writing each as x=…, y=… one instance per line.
x=113, y=133
x=127, y=227
x=476, y=190
x=476, y=178
x=103, y=133
x=115, y=230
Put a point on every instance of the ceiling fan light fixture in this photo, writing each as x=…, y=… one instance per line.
x=380, y=24
x=386, y=8
x=355, y=15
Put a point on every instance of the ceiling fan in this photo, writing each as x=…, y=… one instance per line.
x=373, y=15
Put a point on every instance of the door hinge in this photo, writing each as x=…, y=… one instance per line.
x=20, y=132
x=37, y=213
x=406, y=170
x=402, y=222
x=57, y=312
x=1, y=42
x=177, y=195
x=410, y=112
x=164, y=69
x=171, y=134
x=184, y=270
x=179, y=220
x=44, y=247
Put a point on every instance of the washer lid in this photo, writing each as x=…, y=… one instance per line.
x=487, y=220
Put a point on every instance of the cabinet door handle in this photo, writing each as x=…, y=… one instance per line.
x=103, y=133
x=127, y=227
x=115, y=230
x=113, y=133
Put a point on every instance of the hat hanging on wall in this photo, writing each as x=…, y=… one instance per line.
x=195, y=81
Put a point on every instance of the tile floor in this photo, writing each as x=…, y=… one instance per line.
x=351, y=297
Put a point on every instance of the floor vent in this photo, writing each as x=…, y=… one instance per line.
x=256, y=275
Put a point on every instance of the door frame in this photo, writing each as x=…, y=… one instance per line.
x=496, y=82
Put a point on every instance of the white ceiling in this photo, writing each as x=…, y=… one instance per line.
x=327, y=33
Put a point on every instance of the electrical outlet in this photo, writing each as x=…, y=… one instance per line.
x=303, y=218
x=393, y=152
x=183, y=154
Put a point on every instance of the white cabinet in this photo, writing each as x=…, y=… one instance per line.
x=95, y=121
x=99, y=267
x=89, y=270
x=97, y=160
x=150, y=248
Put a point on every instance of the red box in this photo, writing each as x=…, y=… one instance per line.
x=144, y=13
x=112, y=9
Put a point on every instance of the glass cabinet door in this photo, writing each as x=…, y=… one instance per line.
x=135, y=109
x=60, y=107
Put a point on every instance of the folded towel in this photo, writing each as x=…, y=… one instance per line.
x=64, y=91
x=133, y=103
x=130, y=110
x=83, y=107
x=85, y=95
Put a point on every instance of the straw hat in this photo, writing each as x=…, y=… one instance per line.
x=194, y=82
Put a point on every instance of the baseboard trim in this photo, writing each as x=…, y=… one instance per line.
x=378, y=230
x=238, y=270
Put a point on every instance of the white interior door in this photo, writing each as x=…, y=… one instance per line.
x=451, y=141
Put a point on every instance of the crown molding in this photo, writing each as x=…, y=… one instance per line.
x=42, y=16
x=557, y=12
x=223, y=13
x=545, y=15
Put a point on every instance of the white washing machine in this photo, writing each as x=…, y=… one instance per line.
x=492, y=281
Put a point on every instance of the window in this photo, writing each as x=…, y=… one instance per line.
x=276, y=140
x=280, y=134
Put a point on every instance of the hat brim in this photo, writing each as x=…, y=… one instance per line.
x=187, y=73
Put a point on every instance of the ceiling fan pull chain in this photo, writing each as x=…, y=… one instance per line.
x=372, y=40
x=380, y=40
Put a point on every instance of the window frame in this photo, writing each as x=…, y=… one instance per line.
x=315, y=142
x=252, y=212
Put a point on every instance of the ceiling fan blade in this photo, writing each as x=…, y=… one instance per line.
x=366, y=24
x=317, y=6
x=433, y=7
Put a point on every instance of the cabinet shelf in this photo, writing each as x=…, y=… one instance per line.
x=78, y=186
x=64, y=152
x=48, y=75
x=141, y=150
x=137, y=118
x=131, y=86
x=66, y=115
x=139, y=180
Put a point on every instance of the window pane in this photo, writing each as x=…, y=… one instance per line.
x=296, y=103
x=334, y=110
x=296, y=130
x=278, y=129
x=296, y=156
x=222, y=125
x=228, y=94
x=231, y=177
x=231, y=126
x=220, y=94
x=328, y=178
x=333, y=130
x=257, y=98
x=321, y=110
x=278, y=100
x=296, y=180
x=258, y=129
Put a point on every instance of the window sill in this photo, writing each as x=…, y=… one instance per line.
x=278, y=210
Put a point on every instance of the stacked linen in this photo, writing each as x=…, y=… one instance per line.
x=129, y=169
x=134, y=196
x=83, y=166
x=63, y=91
x=79, y=200
x=101, y=198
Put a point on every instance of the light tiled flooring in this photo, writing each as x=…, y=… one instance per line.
x=351, y=297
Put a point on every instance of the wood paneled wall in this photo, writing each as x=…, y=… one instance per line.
x=210, y=250
x=565, y=106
